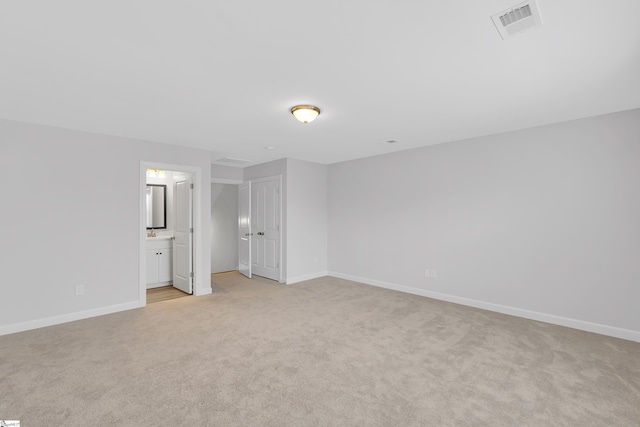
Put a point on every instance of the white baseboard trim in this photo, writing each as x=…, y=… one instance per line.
x=292, y=280
x=203, y=291
x=159, y=285
x=64, y=318
x=626, y=334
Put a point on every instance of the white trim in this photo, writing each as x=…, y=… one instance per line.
x=204, y=291
x=64, y=318
x=158, y=285
x=304, y=277
x=266, y=178
x=226, y=181
x=142, y=252
x=626, y=334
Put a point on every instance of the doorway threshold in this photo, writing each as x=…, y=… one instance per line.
x=164, y=293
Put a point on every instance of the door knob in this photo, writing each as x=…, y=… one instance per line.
x=260, y=233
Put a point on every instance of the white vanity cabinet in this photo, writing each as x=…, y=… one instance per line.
x=159, y=262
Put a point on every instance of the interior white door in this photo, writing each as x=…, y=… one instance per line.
x=265, y=217
x=244, y=228
x=183, y=232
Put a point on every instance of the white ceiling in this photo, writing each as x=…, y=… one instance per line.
x=222, y=75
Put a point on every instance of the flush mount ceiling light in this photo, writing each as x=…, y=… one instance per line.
x=305, y=113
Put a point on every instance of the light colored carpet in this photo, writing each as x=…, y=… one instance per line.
x=326, y=352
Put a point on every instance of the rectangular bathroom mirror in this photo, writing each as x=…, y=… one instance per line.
x=156, y=206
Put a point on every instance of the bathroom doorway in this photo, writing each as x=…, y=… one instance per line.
x=168, y=246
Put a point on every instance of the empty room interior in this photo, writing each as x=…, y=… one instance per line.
x=366, y=213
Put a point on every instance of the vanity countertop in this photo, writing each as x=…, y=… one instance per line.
x=159, y=238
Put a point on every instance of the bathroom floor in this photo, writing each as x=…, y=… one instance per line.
x=164, y=293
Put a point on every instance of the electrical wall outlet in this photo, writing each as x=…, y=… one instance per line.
x=427, y=273
x=79, y=290
x=432, y=274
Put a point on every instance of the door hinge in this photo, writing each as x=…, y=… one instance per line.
x=277, y=265
x=191, y=185
x=191, y=230
x=191, y=274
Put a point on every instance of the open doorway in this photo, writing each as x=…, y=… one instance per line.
x=224, y=223
x=169, y=222
x=246, y=220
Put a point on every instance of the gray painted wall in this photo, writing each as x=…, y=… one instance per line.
x=544, y=220
x=71, y=216
x=224, y=227
x=226, y=174
x=307, y=225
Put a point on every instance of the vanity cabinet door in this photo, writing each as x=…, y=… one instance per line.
x=165, y=260
x=152, y=266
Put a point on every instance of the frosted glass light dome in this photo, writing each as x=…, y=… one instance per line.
x=305, y=113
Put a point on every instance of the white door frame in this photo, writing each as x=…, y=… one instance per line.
x=244, y=217
x=279, y=179
x=196, y=175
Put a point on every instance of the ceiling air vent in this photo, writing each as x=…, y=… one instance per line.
x=517, y=19
x=516, y=15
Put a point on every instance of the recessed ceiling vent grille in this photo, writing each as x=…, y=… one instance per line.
x=517, y=19
x=515, y=15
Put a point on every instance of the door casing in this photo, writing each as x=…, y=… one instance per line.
x=244, y=229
